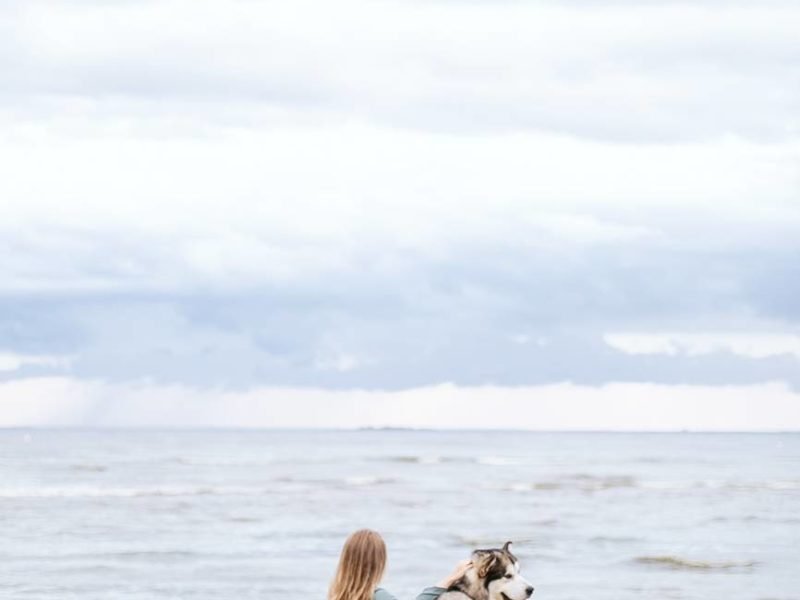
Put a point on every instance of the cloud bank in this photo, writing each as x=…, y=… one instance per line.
x=62, y=402
x=377, y=197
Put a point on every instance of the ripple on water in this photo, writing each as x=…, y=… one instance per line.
x=679, y=563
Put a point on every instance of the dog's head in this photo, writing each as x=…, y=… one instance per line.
x=498, y=571
x=496, y=576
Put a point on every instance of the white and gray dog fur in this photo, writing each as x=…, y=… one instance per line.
x=494, y=575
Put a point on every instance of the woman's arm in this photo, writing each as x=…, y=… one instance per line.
x=432, y=593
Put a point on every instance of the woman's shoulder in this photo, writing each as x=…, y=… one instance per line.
x=382, y=594
x=429, y=593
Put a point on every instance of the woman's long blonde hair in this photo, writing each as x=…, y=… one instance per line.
x=361, y=567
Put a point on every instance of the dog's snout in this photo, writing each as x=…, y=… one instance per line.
x=529, y=590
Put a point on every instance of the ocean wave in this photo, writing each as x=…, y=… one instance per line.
x=490, y=542
x=678, y=563
x=498, y=461
x=545, y=522
x=593, y=483
x=610, y=539
x=261, y=461
x=243, y=519
x=584, y=483
x=142, y=554
x=125, y=492
x=220, y=462
x=754, y=519
x=420, y=460
x=125, y=555
x=367, y=480
x=670, y=460
x=89, y=468
x=489, y=461
x=775, y=485
x=725, y=485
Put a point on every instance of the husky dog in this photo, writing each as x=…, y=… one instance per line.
x=494, y=575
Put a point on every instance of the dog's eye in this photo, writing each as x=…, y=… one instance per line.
x=509, y=576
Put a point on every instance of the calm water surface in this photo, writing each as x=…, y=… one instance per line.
x=230, y=515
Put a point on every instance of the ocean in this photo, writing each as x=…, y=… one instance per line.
x=234, y=515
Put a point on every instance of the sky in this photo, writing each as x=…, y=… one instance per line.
x=444, y=213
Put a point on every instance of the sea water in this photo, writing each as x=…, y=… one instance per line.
x=232, y=515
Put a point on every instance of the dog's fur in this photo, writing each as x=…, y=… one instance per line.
x=494, y=575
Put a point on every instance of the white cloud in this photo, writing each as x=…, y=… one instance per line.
x=395, y=187
x=616, y=406
x=338, y=362
x=524, y=338
x=296, y=206
x=590, y=230
x=12, y=361
x=749, y=345
x=247, y=142
x=649, y=71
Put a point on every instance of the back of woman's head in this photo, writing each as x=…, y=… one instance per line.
x=361, y=567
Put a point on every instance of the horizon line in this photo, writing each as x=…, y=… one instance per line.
x=388, y=429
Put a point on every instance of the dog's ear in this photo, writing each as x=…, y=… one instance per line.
x=507, y=551
x=483, y=561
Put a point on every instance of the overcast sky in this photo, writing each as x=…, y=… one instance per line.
x=582, y=214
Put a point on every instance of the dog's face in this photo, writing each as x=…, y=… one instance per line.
x=498, y=571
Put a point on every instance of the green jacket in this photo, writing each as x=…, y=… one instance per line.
x=430, y=593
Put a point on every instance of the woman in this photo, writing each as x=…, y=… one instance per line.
x=361, y=568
